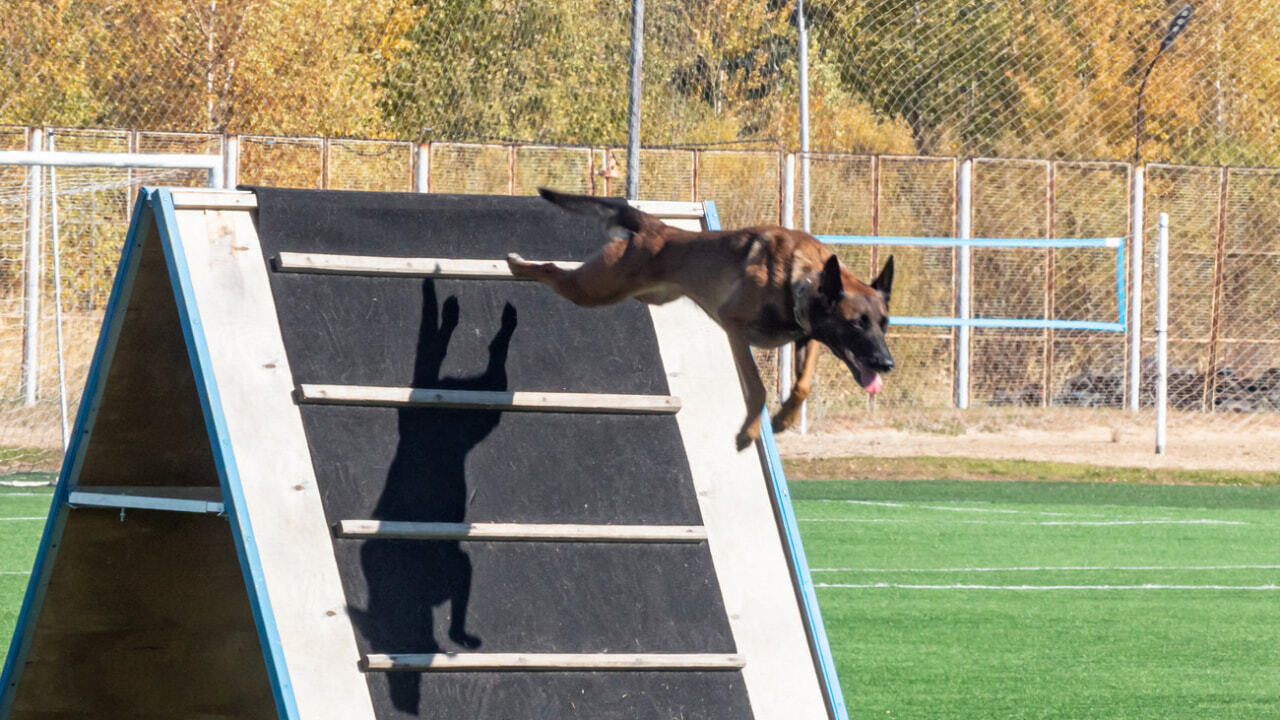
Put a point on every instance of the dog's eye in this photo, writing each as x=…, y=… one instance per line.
x=864, y=322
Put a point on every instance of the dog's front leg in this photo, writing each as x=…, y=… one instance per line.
x=806, y=365
x=751, y=382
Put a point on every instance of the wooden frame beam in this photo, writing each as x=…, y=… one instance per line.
x=207, y=500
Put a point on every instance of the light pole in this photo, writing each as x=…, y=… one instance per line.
x=1175, y=28
x=633, y=104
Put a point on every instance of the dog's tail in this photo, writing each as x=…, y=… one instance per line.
x=617, y=216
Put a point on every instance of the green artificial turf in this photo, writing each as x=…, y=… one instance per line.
x=22, y=519
x=952, y=599
x=1047, y=600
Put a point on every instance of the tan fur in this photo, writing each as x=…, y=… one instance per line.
x=746, y=280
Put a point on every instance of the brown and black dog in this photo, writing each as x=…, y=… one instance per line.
x=766, y=286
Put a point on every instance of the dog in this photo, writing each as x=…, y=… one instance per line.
x=765, y=286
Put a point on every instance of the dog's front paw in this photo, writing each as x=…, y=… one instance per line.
x=514, y=259
x=744, y=440
x=782, y=421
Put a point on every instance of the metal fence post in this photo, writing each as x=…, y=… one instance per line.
x=786, y=353
x=1162, y=332
x=964, y=210
x=31, y=309
x=231, y=162
x=422, y=168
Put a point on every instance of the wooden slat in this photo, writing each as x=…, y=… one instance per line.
x=671, y=210
x=519, y=532
x=399, y=266
x=577, y=662
x=214, y=199
x=488, y=399
x=175, y=499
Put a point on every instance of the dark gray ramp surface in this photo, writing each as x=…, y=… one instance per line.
x=450, y=465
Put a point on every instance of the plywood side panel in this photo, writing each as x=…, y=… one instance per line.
x=746, y=547
x=146, y=617
x=271, y=490
x=148, y=428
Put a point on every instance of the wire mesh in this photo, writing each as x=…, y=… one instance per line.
x=369, y=165
x=564, y=169
x=92, y=208
x=1034, y=79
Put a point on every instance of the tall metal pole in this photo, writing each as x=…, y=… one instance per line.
x=804, y=115
x=633, y=107
x=805, y=203
x=1135, y=287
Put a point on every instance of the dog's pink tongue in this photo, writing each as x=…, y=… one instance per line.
x=876, y=385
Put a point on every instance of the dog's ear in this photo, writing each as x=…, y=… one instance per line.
x=884, y=281
x=616, y=213
x=830, y=285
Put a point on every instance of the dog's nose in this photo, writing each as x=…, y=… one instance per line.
x=884, y=363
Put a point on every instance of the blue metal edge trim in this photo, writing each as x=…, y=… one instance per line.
x=795, y=549
x=711, y=215
x=800, y=570
x=1016, y=323
x=224, y=456
x=139, y=227
x=1121, y=300
x=1006, y=243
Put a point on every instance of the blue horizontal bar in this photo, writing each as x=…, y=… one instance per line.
x=1013, y=323
x=1007, y=243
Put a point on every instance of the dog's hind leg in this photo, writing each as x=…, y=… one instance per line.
x=751, y=382
x=591, y=284
x=806, y=363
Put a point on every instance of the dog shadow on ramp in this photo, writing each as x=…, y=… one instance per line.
x=426, y=482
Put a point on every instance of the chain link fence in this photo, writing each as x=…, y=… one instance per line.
x=493, y=97
x=1225, y=345
x=1039, y=79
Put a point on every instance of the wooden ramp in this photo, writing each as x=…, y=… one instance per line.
x=333, y=461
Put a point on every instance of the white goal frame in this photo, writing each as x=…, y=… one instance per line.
x=35, y=161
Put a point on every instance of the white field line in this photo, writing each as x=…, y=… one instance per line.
x=42, y=517
x=1007, y=511
x=951, y=508
x=1112, y=523
x=1051, y=568
x=855, y=520
x=947, y=508
x=15, y=572
x=1060, y=523
x=1162, y=521
x=902, y=586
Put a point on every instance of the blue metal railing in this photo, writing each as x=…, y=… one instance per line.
x=1116, y=243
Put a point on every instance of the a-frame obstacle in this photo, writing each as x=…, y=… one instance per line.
x=316, y=474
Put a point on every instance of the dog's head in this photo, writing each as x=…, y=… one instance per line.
x=851, y=317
